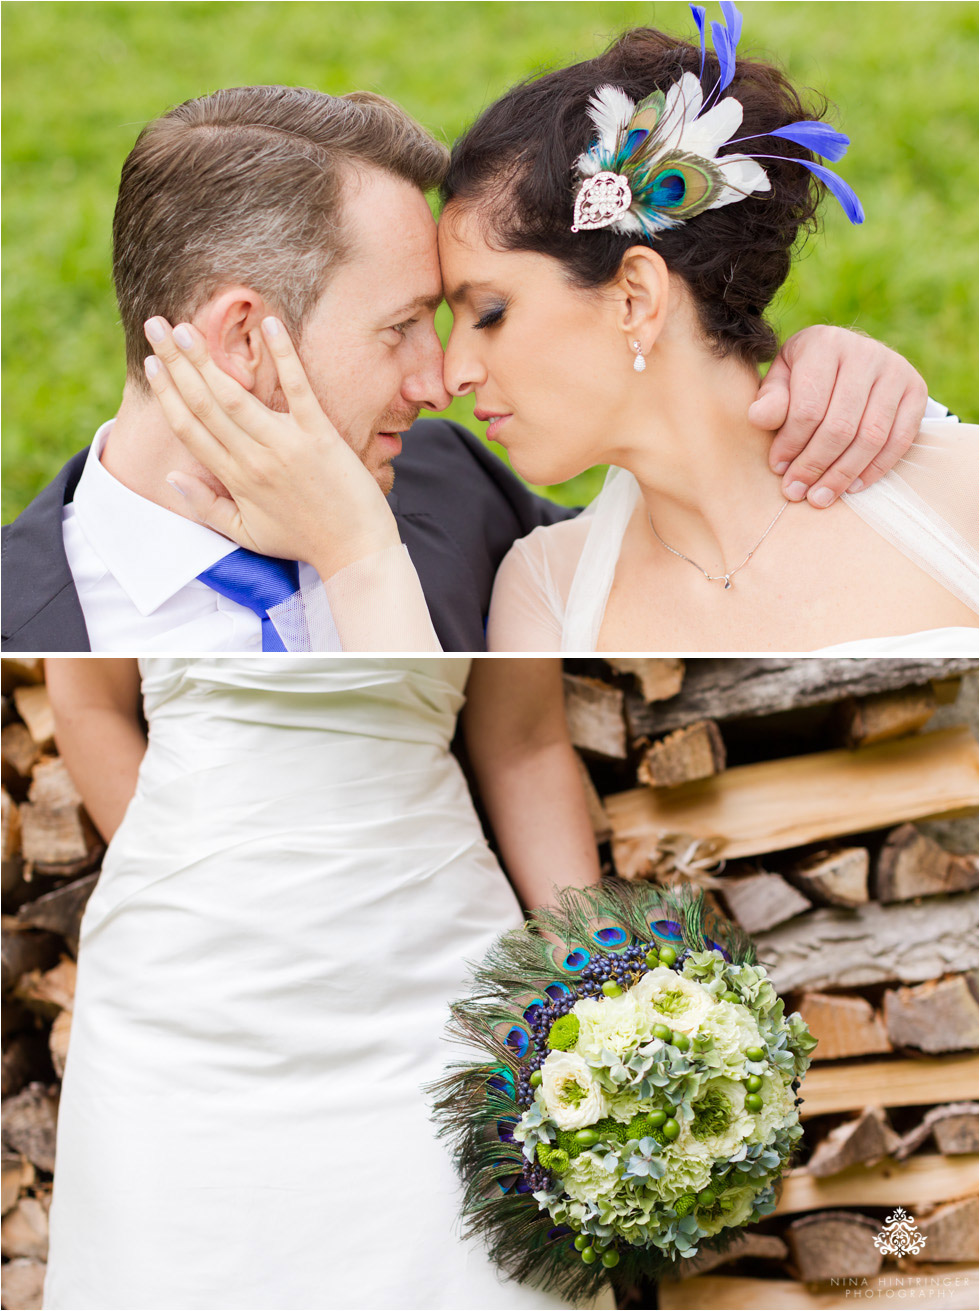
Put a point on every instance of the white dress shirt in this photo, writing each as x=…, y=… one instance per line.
x=135, y=567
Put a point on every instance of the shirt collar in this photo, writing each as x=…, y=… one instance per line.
x=151, y=552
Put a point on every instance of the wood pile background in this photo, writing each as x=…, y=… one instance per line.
x=827, y=805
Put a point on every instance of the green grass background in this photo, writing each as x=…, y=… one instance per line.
x=80, y=79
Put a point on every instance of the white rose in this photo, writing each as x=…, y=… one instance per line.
x=572, y=1097
x=672, y=999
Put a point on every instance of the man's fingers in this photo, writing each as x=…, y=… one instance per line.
x=303, y=404
x=905, y=428
x=844, y=425
x=770, y=407
x=809, y=397
x=869, y=441
x=207, y=507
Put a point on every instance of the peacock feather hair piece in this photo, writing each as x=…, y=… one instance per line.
x=655, y=165
x=726, y=1069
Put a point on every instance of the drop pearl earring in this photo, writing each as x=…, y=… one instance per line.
x=639, y=363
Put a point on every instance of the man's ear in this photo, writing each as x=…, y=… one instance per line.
x=643, y=286
x=230, y=323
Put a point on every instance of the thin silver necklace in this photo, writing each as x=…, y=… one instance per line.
x=718, y=578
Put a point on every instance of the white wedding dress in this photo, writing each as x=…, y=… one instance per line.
x=264, y=976
x=552, y=587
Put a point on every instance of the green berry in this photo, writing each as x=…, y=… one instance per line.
x=667, y=956
x=753, y=1083
x=581, y=1242
x=587, y=1137
x=658, y=1119
x=589, y=1255
x=653, y=959
x=671, y=1128
x=755, y=1053
x=679, y=1041
x=662, y=1032
x=612, y=989
x=609, y=1259
x=730, y=996
x=753, y=1102
x=706, y=1198
x=536, y=1079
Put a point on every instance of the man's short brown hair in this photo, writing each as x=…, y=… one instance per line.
x=246, y=186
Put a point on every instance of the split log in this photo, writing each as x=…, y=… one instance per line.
x=748, y=1244
x=16, y=673
x=30, y=1123
x=843, y=1026
x=956, y=1290
x=11, y=826
x=23, y=950
x=60, y=910
x=954, y=1127
x=904, y=943
x=24, y=1230
x=34, y=707
x=761, y=901
x=866, y=720
x=659, y=678
x=48, y=992
x=834, y=878
x=787, y=803
x=597, y=811
x=18, y=1175
x=869, y=1138
x=19, y=753
x=939, y=1016
x=23, y=1284
x=913, y=865
x=594, y=712
x=59, y=838
x=696, y=751
x=832, y=1088
x=835, y=1245
x=910, y=1183
x=25, y=1060
x=725, y=688
x=58, y=1041
x=950, y=1232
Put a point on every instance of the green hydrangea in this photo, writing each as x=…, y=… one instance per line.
x=564, y=1033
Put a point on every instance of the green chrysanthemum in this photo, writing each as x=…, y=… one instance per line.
x=564, y=1033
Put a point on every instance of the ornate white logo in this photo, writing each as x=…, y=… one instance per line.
x=601, y=200
x=900, y=1236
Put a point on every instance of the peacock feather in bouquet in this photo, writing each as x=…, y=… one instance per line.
x=634, y=1093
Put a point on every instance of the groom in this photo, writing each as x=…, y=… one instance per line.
x=281, y=200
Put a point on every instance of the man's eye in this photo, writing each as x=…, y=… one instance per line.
x=402, y=328
x=491, y=317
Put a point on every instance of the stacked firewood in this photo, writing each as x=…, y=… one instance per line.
x=51, y=854
x=827, y=806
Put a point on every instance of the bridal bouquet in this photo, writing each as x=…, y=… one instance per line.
x=638, y=1096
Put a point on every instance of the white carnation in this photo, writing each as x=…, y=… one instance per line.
x=571, y=1095
x=617, y=1024
x=733, y=1032
x=672, y=999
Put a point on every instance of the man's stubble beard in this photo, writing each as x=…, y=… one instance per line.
x=384, y=472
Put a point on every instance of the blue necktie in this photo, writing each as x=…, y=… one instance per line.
x=256, y=581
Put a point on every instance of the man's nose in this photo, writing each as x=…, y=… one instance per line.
x=424, y=385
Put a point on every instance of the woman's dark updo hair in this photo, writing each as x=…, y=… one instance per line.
x=515, y=165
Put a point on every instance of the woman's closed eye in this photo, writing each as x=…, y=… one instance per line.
x=489, y=318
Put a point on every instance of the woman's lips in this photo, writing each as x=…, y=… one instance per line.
x=497, y=421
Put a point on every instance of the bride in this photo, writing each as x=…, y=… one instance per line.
x=597, y=331
x=295, y=887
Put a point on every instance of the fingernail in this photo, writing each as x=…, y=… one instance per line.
x=796, y=491
x=781, y=467
x=823, y=497
x=176, y=486
x=856, y=485
x=152, y=366
x=154, y=329
x=272, y=326
x=183, y=337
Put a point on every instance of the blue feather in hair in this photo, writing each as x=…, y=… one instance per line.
x=726, y=54
x=699, y=12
